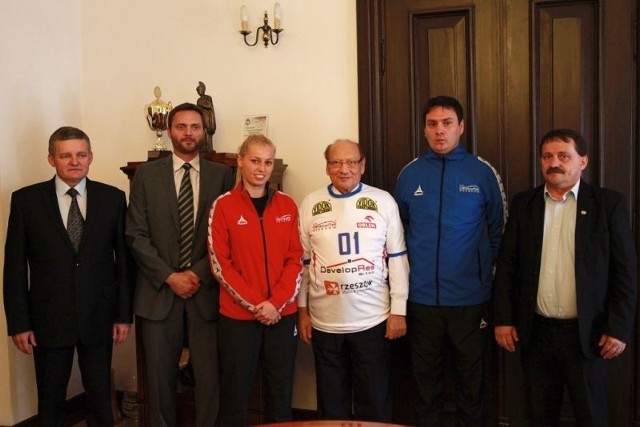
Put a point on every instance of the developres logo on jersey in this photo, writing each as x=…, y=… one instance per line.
x=320, y=208
x=366, y=203
x=360, y=266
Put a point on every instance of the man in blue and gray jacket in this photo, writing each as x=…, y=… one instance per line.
x=453, y=208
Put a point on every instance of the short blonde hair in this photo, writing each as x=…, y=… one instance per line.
x=255, y=139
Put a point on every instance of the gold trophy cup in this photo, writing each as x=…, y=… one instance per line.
x=157, y=113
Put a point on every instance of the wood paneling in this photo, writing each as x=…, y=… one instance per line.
x=565, y=65
x=441, y=39
x=520, y=68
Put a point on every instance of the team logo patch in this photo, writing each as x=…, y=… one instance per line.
x=284, y=218
x=242, y=221
x=418, y=191
x=332, y=288
x=320, y=208
x=472, y=188
x=366, y=203
x=335, y=288
x=483, y=323
x=368, y=224
x=324, y=225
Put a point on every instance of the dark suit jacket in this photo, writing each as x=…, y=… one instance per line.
x=61, y=296
x=153, y=233
x=605, y=266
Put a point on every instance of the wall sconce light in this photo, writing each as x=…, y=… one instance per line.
x=267, y=31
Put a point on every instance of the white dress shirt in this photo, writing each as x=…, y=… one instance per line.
x=557, y=282
x=64, y=199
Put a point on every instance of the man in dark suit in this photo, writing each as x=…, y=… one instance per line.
x=63, y=294
x=566, y=285
x=174, y=293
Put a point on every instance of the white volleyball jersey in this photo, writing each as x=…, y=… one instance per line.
x=352, y=243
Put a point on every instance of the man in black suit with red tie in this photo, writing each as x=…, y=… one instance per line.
x=566, y=287
x=68, y=281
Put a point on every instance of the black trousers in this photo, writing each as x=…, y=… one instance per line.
x=242, y=344
x=553, y=360
x=53, y=370
x=352, y=374
x=433, y=331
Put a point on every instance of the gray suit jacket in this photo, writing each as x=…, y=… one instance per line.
x=153, y=234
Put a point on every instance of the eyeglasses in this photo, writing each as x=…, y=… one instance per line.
x=337, y=164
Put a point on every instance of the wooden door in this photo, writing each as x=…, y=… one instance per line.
x=519, y=68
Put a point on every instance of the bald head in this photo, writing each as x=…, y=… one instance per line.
x=345, y=164
x=342, y=142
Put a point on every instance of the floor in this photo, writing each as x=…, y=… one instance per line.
x=124, y=422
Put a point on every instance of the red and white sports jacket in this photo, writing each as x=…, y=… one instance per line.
x=255, y=259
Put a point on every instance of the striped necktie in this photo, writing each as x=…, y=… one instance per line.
x=185, y=214
x=75, y=222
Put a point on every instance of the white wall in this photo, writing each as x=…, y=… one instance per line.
x=40, y=88
x=95, y=64
x=306, y=84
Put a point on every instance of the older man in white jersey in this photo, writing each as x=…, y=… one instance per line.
x=353, y=298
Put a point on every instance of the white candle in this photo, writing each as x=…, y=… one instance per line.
x=277, y=15
x=244, y=18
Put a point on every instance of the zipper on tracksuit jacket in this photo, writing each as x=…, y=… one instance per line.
x=266, y=261
x=439, y=231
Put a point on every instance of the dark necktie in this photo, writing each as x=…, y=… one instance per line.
x=75, y=222
x=185, y=213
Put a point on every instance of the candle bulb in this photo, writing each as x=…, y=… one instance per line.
x=244, y=18
x=277, y=16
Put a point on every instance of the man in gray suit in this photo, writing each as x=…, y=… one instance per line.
x=175, y=293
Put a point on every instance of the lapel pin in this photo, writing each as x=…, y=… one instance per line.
x=583, y=212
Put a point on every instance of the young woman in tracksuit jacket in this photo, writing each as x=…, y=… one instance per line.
x=256, y=256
